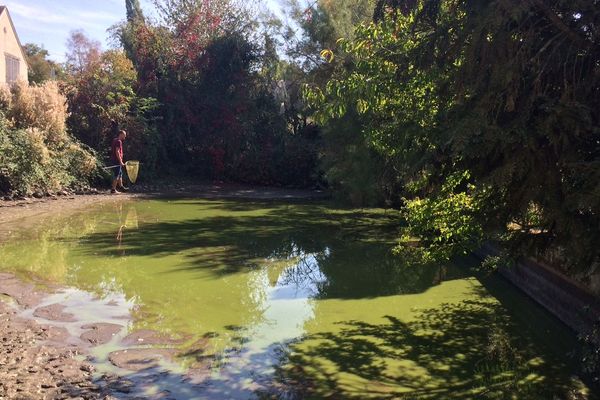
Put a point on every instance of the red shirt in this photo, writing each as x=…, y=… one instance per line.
x=116, y=150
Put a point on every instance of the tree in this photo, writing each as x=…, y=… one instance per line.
x=318, y=25
x=82, y=52
x=103, y=94
x=40, y=68
x=487, y=109
x=356, y=172
x=134, y=11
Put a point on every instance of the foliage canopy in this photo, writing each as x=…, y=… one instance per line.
x=502, y=93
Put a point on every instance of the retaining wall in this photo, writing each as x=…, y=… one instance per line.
x=568, y=300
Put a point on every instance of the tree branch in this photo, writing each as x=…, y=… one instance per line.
x=559, y=24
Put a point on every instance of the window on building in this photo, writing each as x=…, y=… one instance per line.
x=12, y=68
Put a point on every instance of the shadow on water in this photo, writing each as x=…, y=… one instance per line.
x=467, y=350
x=351, y=249
x=246, y=224
x=460, y=351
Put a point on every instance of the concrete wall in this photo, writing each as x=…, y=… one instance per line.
x=568, y=300
x=10, y=45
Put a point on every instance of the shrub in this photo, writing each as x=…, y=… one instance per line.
x=82, y=162
x=42, y=107
x=5, y=98
x=36, y=152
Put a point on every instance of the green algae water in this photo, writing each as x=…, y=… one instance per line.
x=289, y=300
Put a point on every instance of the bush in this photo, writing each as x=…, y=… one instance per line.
x=36, y=153
x=447, y=225
x=42, y=107
x=102, y=99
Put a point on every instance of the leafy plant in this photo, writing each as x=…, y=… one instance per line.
x=500, y=90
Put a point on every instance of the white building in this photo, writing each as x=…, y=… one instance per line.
x=13, y=62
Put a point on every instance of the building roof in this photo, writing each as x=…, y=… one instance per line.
x=2, y=10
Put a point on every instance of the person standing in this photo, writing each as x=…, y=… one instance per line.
x=116, y=154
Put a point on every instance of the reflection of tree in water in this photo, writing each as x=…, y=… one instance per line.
x=340, y=245
x=42, y=250
x=305, y=275
x=459, y=351
x=356, y=270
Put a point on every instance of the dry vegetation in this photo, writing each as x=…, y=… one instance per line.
x=36, y=151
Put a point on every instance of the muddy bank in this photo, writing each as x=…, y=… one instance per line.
x=12, y=210
x=20, y=211
x=36, y=363
x=41, y=358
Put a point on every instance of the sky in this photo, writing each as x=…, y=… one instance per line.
x=49, y=22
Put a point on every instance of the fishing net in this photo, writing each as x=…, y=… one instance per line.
x=132, y=168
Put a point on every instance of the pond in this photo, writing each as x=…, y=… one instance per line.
x=288, y=300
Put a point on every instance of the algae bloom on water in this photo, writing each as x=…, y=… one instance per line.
x=287, y=300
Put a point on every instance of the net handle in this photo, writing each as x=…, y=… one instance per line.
x=117, y=166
